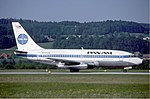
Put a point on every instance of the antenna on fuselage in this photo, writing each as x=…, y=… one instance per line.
x=82, y=48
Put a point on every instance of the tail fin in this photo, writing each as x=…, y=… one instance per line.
x=23, y=40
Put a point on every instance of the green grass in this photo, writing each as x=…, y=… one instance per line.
x=74, y=86
x=65, y=90
x=6, y=51
x=47, y=45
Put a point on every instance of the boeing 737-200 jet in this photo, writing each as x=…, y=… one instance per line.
x=73, y=59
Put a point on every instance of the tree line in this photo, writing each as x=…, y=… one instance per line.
x=114, y=42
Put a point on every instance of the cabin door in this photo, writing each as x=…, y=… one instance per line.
x=39, y=56
x=120, y=58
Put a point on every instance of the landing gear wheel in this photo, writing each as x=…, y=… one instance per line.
x=125, y=70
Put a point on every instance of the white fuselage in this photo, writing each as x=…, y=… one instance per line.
x=94, y=57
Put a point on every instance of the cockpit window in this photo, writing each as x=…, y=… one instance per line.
x=139, y=56
x=132, y=56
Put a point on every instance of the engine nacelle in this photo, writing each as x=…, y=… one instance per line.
x=60, y=65
x=94, y=64
x=80, y=66
x=127, y=68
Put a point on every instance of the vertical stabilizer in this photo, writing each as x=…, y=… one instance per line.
x=23, y=40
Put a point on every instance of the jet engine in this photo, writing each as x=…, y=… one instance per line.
x=75, y=68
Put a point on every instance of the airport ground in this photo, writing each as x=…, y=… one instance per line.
x=67, y=70
x=74, y=86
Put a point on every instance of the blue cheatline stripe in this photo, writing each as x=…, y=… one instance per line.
x=74, y=56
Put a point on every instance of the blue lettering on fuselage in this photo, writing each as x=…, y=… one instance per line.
x=102, y=53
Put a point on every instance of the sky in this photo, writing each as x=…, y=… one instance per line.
x=76, y=10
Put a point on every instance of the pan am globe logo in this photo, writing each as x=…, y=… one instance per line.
x=22, y=39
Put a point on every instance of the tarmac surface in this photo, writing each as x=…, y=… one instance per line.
x=79, y=73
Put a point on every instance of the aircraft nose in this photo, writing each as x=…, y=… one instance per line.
x=139, y=61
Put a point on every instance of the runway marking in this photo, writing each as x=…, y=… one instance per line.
x=80, y=73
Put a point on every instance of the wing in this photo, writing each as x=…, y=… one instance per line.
x=65, y=61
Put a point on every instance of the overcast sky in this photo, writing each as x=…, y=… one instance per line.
x=76, y=10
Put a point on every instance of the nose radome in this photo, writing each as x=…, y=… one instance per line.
x=139, y=61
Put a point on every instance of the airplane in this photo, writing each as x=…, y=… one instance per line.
x=73, y=59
